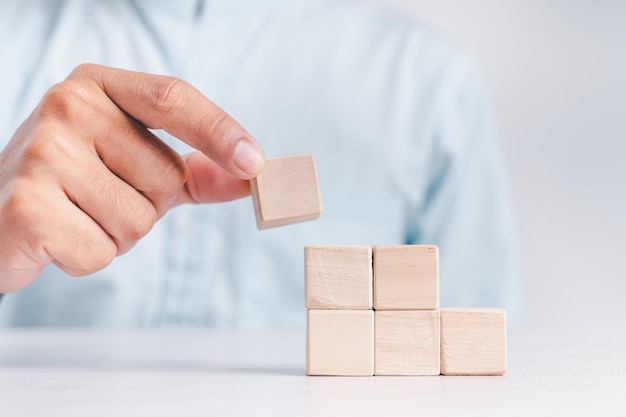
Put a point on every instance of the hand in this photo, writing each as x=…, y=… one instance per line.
x=83, y=179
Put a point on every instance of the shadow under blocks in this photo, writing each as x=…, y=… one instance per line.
x=375, y=311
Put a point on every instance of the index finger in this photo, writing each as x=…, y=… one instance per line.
x=171, y=104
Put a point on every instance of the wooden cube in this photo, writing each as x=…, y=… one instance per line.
x=340, y=342
x=338, y=277
x=473, y=341
x=406, y=342
x=406, y=277
x=286, y=192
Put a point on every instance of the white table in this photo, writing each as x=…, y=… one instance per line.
x=218, y=373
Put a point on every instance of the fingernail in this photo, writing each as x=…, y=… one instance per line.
x=247, y=157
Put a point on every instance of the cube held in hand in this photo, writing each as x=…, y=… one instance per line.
x=286, y=192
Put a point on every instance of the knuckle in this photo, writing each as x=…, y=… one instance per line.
x=168, y=93
x=104, y=253
x=215, y=125
x=66, y=100
x=18, y=210
x=83, y=71
x=135, y=216
x=142, y=219
x=173, y=175
x=210, y=124
x=97, y=253
x=47, y=147
x=177, y=174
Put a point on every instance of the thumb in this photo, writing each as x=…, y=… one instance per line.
x=207, y=182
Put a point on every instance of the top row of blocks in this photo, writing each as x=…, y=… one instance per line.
x=394, y=277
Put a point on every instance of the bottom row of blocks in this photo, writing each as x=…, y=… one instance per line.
x=448, y=341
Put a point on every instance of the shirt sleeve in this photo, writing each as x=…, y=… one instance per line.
x=467, y=210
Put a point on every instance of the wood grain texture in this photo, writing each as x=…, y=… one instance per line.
x=406, y=277
x=473, y=341
x=286, y=192
x=338, y=277
x=406, y=342
x=340, y=342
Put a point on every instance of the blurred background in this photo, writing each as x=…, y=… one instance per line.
x=557, y=74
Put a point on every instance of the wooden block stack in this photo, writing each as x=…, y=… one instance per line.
x=340, y=319
x=375, y=311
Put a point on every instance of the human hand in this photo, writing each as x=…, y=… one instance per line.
x=83, y=179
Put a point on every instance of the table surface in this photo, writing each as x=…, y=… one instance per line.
x=224, y=373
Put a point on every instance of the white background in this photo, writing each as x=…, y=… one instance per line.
x=557, y=74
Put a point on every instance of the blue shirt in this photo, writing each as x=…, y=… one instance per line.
x=396, y=116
